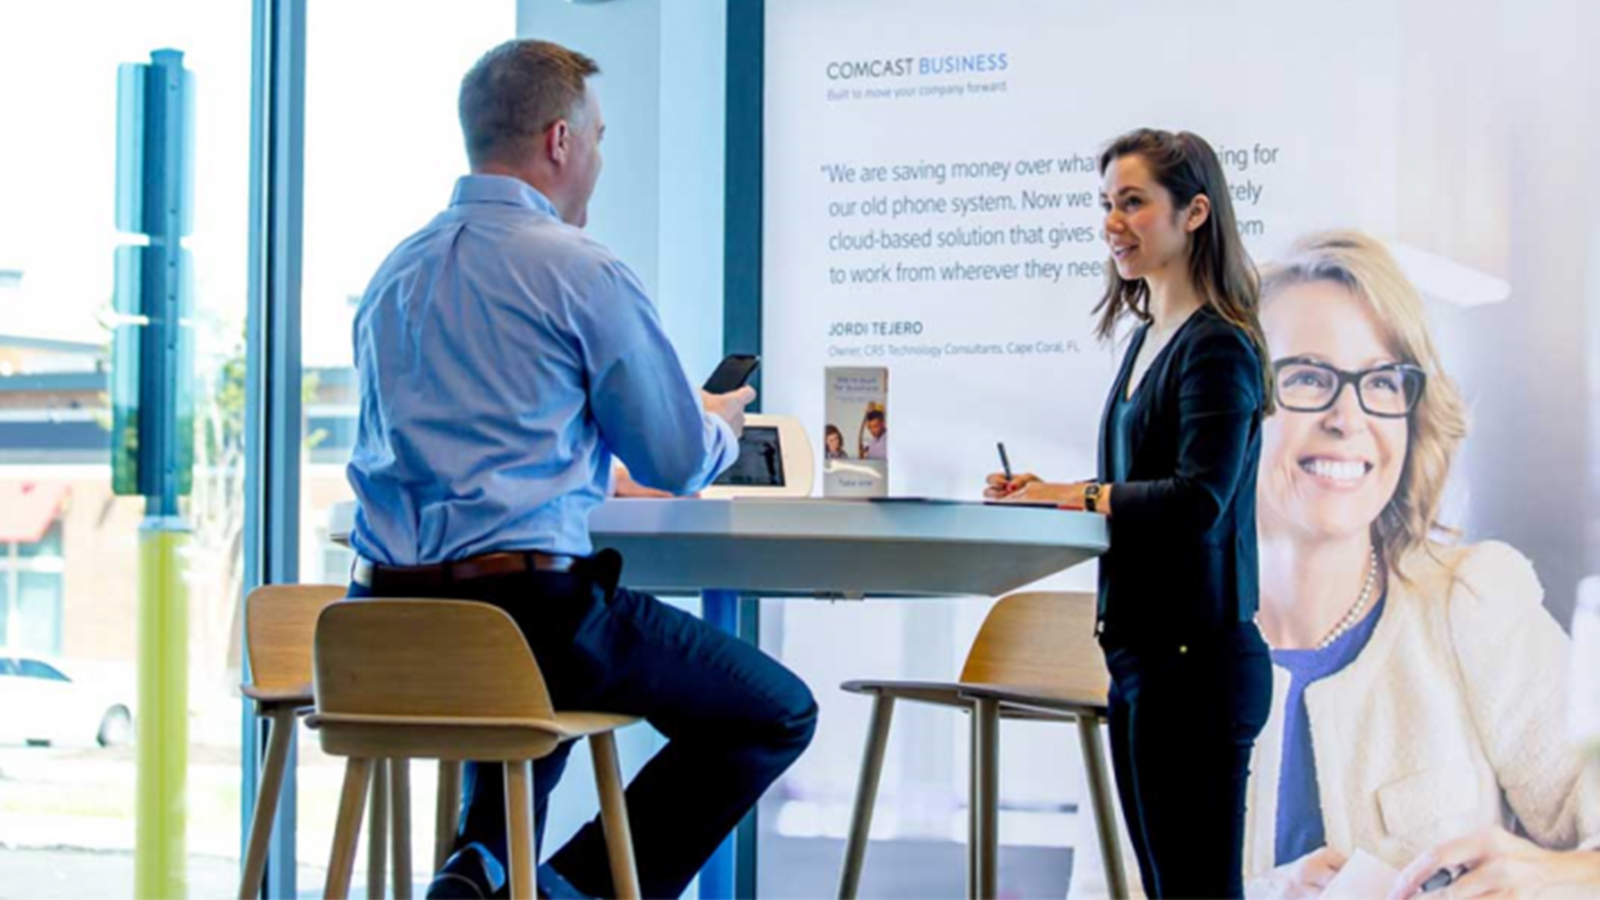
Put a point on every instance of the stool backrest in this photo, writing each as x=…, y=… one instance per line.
x=446, y=659
x=1043, y=641
x=280, y=621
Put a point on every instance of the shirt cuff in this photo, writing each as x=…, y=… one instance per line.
x=729, y=445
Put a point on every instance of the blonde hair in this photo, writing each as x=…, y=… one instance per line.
x=1435, y=429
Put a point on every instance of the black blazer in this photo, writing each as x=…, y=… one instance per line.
x=1183, y=560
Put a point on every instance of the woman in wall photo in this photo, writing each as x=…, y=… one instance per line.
x=1179, y=447
x=833, y=443
x=1420, y=691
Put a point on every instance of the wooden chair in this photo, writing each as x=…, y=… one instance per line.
x=451, y=680
x=280, y=622
x=1036, y=657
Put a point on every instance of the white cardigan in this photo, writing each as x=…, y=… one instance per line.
x=1452, y=718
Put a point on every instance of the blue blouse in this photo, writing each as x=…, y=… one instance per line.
x=1299, y=825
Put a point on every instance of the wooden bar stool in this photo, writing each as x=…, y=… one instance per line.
x=1036, y=658
x=451, y=680
x=280, y=622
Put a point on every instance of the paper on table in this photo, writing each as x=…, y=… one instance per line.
x=1363, y=877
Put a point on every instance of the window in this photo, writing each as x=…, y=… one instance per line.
x=72, y=589
x=397, y=97
x=31, y=589
x=32, y=668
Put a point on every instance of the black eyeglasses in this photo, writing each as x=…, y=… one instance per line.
x=1307, y=385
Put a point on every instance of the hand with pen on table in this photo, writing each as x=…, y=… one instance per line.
x=1495, y=863
x=1006, y=487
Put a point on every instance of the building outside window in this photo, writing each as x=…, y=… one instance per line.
x=32, y=572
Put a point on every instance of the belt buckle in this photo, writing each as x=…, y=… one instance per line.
x=550, y=562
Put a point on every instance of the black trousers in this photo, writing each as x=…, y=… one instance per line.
x=1184, y=718
x=734, y=720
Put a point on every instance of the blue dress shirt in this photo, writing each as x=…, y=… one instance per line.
x=504, y=356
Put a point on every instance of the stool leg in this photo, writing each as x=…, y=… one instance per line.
x=973, y=792
x=1105, y=812
x=614, y=815
x=378, y=830
x=281, y=729
x=983, y=838
x=519, y=821
x=400, y=809
x=447, y=811
x=347, y=830
x=855, y=852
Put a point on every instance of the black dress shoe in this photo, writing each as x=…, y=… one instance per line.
x=470, y=873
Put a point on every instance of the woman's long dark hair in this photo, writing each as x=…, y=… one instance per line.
x=1221, y=270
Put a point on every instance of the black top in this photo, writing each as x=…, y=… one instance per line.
x=1120, y=425
x=1182, y=456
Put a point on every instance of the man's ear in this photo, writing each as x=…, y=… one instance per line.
x=1199, y=213
x=558, y=141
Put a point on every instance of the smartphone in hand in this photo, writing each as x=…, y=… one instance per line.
x=732, y=373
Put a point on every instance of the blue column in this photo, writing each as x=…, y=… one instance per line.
x=718, y=878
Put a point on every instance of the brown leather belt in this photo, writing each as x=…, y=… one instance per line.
x=420, y=579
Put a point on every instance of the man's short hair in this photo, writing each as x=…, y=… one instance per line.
x=515, y=92
x=874, y=415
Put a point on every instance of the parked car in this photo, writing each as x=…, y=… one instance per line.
x=41, y=704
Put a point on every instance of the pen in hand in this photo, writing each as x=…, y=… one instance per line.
x=1443, y=879
x=1005, y=462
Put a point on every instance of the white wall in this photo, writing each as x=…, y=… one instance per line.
x=659, y=204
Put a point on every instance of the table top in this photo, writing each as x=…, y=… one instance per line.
x=835, y=548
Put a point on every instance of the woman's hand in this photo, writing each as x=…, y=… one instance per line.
x=1305, y=878
x=998, y=487
x=1500, y=864
x=1028, y=488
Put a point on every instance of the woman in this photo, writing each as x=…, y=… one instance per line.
x=1180, y=442
x=1421, y=683
x=833, y=443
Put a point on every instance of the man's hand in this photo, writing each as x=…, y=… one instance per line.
x=623, y=485
x=730, y=406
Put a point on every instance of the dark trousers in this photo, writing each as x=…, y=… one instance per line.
x=1183, y=720
x=733, y=717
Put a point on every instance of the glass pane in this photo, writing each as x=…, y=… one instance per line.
x=32, y=668
x=38, y=614
x=398, y=96
x=69, y=803
x=47, y=545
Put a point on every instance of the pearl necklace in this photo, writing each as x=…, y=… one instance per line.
x=1353, y=615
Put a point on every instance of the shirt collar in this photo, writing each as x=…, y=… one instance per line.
x=501, y=189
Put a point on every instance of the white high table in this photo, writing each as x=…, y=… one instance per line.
x=841, y=548
x=830, y=549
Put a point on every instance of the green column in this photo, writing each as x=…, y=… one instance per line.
x=163, y=746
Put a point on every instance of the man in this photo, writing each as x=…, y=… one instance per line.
x=876, y=445
x=504, y=357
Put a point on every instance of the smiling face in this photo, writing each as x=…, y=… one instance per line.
x=1146, y=233
x=1327, y=475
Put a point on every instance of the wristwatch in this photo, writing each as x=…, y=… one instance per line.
x=1091, y=494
